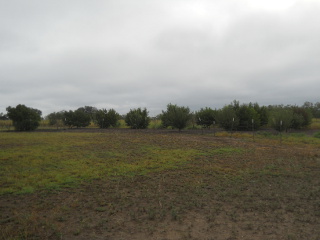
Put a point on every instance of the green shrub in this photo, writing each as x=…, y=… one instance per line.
x=227, y=118
x=24, y=118
x=137, y=118
x=105, y=118
x=175, y=116
x=76, y=118
x=205, y=117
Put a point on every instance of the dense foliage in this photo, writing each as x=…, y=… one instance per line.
x=90, y=111
x=56, y=119
x=105, y=118
x=227, y=118
x=205, y=117
x=175, y=116
x=314, y=108
x=137, y=118
x=24, y=118
x=283, y=118
x=77, y=118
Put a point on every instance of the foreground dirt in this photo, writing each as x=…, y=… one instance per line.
x=214, y=196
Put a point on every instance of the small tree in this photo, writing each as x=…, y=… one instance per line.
x=56, y=119
x=205, y=117
x=281, y=118
x=302, y=117
x=24, y=118
x=246, y=114
x=313, y=108
x=175, y=116
x=76, y=118
x=137, y=118
x=227, y=118
x=106, y=118
x=263, y=113
x=91, y=111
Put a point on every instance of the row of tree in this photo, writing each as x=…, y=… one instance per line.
x=234, y=116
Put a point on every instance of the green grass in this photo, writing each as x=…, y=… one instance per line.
x=37, y=160
x=317, y=135
x=31, y=161
x=101, y=183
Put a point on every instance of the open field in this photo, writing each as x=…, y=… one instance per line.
x=158, y=184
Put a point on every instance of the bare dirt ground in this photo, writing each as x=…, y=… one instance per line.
x=212, y=197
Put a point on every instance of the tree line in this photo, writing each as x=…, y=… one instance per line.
x=234, y=116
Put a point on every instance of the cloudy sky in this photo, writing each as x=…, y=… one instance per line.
x=122, y=54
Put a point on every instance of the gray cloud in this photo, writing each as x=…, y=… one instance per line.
x=123, y=54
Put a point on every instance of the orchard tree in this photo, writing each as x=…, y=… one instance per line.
x=227, y=118
x=175, y=116
x=24, y=118
x=263, y=113
x=302, y=117
x=314, y=108
x=205, y=117
x=248, y=116
x=137, y=118
x=91, y=111
x=281, y=118
x=105, y=118
x=56, y=119
x=77, y=118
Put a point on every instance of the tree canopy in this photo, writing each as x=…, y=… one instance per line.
x=137, y=118
x=205, y=117
x=105, y=118
x=24, y=118
x=176, y=116
x=77, y=118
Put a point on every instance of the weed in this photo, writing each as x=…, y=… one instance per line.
x=174, y=214
x=151, y=214
x=101, y=209
x=77, y=232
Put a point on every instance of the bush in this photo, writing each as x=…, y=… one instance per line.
x=302, y=117
x=227, y=118
x=175, y=116
x=205, y=117
x=24, y=118
x=76, y=118
x=281, y=118
x=137, y=118
x=91, y=111
x=263, y=113
x=106, y=118
x=246, y=114
x=56, y=119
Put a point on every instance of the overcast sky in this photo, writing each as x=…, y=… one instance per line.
x=122, y=54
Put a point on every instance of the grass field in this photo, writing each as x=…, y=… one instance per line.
x=154, y=184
